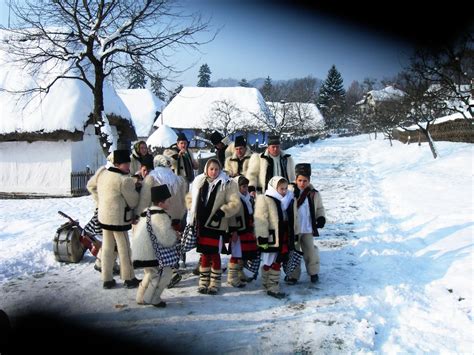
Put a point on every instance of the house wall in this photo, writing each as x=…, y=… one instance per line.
x=35, y=168
x=88, y=153
x=45, y=168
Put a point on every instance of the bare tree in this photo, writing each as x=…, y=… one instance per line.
x=424, y=103
x=92, y=40
x=449, y=67
x=224, y=117
x=389, y=115
x=289, y=118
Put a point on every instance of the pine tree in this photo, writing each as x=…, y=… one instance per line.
x=244, y=83
x=136, y=75
x=175, y=92
x=204, y=76
x=157, y=87
x=267, y=89
x=331, y=101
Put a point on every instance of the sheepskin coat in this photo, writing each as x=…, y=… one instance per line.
x=242, y=221
x=260, y=169
x=177, y=208
x=115, y=193
x=143, y=254
x=225, y=197
x=315, y=203
x=232, y=163
x=181, y=165
x=92, y=184
x=268, y=222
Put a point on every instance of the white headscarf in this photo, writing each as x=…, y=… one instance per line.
x=272, y=192
x=199, y=181
x=166, y=176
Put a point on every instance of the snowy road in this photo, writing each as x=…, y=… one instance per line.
x=375, y=291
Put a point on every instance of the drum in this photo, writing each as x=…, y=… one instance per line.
x=67, y=244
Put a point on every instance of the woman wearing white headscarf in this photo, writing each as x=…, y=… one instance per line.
x=214, y=198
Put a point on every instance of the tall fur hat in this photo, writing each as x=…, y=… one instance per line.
x=121, y=156
x=303, y=169
x=160, y=193
x=216, y=137
x=273, y=140
x=240, y=141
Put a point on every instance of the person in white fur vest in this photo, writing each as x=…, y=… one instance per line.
x=238, y=163
x=310, y=215
x=272, y=162
x=154, y=248
x=115, y=194
x=214, y=199
x=273, y=228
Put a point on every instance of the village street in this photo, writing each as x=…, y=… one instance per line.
x=361, y=303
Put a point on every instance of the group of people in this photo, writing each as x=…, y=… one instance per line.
x=260, y=208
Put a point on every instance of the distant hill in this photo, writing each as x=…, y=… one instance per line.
x=230, y=82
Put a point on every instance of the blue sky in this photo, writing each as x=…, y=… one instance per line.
x=273, y=38
x=261, y=39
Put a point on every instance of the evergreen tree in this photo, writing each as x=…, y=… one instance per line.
x=204, y=76
x=157, y=87
x=331, y=101
x=267, y=89
x=175, y=92
x=244, y=83
x=136, y=75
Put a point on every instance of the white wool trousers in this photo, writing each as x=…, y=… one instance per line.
x=109, y=240
x=154, y=282
x=310, y=256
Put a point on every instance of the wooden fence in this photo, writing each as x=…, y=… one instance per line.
x=460, y=130
x=79, y=182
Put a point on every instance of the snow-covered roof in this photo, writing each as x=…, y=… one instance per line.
x=194, y=106
x=143, y=105
x=386, y=94
x=163, y=137
x=66, y=106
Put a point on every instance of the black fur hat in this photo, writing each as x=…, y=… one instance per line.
x=303, y=169
x=121, y=156
x=216, y=137
x=273, y=140
x=240, y=141
x=160, y=193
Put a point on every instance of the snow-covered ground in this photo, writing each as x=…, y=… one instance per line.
x=396, y=265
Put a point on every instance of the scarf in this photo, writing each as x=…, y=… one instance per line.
x=284, y=200
x=246, y=198
x=302, y=196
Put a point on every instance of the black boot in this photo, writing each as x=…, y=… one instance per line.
x=109, y=284
x=133, y=283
